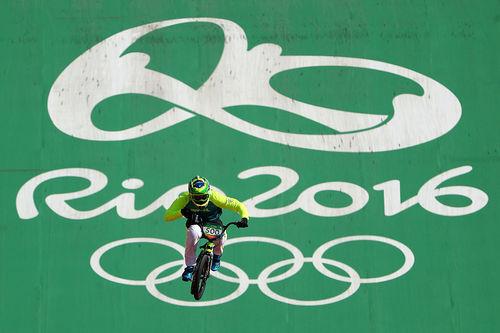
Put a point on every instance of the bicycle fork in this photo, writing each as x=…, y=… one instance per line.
x=207, y=249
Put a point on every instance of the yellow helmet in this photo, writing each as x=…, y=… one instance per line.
x=199, y=191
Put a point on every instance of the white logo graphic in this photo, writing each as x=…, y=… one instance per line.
x=242, y=77
x=125, y=203
x=263, y=280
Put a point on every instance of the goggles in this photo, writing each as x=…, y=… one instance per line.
x=199, y=199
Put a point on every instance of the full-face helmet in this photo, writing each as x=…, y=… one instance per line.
x=199, y=191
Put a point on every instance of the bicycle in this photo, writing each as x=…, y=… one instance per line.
x=211, y=232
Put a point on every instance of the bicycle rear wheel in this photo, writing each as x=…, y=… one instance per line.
x=200, y=276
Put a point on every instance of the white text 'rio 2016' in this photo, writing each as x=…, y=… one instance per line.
x=124, y=203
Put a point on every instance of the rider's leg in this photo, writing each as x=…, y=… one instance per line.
x=193, y=235
x=219, y=245
x=218, y=249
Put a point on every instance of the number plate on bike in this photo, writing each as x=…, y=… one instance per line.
x=212, y=231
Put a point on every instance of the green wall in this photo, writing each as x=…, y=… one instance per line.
x=46, y=280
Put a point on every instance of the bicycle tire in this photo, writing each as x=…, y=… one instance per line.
x=200, y=276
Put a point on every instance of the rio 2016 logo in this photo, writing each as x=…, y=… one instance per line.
x=73, y=97
x=416, y=120
x=125, y=202
x=242, y=77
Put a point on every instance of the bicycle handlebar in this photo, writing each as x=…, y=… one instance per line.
x=227, y=226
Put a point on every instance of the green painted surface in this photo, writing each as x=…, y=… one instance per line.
x=46, y=282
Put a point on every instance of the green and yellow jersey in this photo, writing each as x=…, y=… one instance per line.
x=209, y=213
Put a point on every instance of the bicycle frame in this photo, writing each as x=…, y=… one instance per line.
x=208, y=247
x=204, y=262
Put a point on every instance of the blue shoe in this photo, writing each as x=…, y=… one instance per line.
x=187, y=275
x=216, y=263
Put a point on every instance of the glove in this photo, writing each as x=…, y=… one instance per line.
x=243, y=223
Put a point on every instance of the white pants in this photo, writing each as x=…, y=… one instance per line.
x=193, y=235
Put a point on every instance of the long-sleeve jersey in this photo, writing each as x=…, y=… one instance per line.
x=211, y=212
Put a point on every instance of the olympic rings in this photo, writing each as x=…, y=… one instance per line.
x=151, y=286
x=409, y=258
x=353, y=275
x=297, y=263
x=95, y=260
x=263, y=280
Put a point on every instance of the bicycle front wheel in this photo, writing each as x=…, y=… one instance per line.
x=200, y=276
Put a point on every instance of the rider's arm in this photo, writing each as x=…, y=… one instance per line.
x=222, y=201
x=174, y=211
